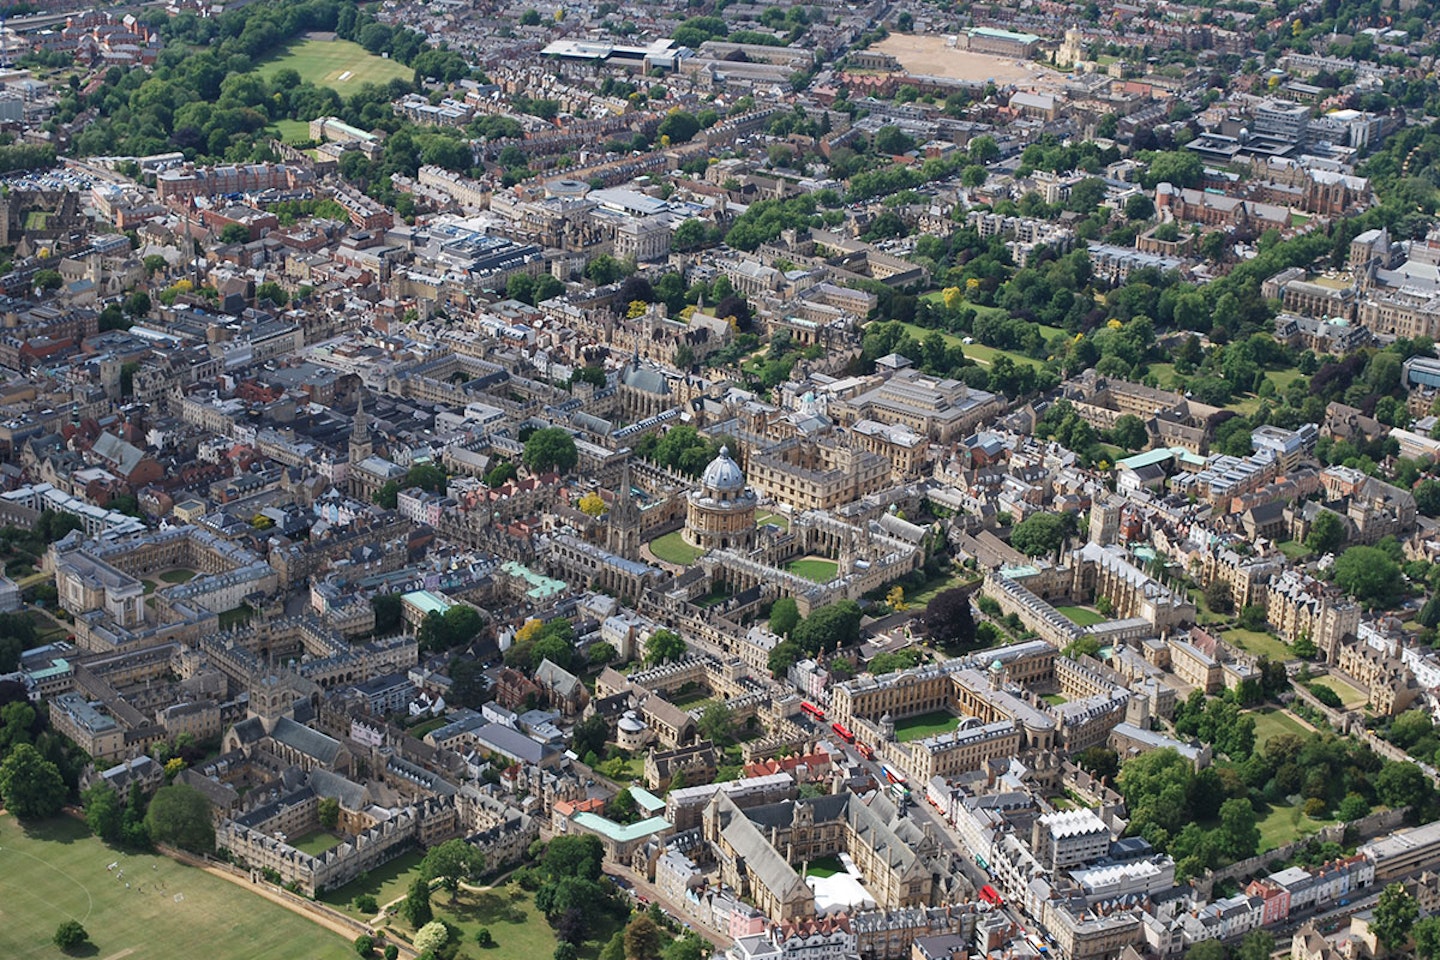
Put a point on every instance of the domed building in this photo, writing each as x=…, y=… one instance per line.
x=721, y=514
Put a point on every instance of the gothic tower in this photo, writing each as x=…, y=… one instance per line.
x=623, y=535
x=360, y=445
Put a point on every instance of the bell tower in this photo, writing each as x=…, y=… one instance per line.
x=360, y=445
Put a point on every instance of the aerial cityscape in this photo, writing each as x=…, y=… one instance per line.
x=750, y=481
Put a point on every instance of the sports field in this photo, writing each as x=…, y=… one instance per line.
x=338, y=64
x=56, y=871
x=818, y=569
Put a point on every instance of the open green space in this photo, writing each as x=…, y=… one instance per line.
x=928, y=590
x=818, y=569
x=925, y=725
x=1293, y=549
x=520, y=930
x=55, y=871
x=1271, y=722
x=825, y=867
x=385, y=883
x=714, y=598
x=292, y=131
x=339, y=64
x=672, y=548
x=420, y=729
x=178, y=576
x=1259, y=643
x=36, y=220
x=1350, y=695
x=316, y=842
x=1283, y=824
x=1083, y=616
x=978, y=352
x=1054, y=699
x=779, y=519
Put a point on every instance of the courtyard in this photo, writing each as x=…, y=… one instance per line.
x=925, y=725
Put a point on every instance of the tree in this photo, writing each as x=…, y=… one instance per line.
x=830, y=627
x=484, y=938
x=530, y=18
x=1129, y=433
x=1369, y=575
x=328, y=811
x=664, y=645
x=550, y=448
x=784, y=616
x=716, y=723
x=1039, y=535
x=591, y=504
x=1139, y=207
x=366, y=903
x=895, y=598
x=30, y=785
x=1207, y=950
x=272, y=291
x=70, y=935
x=1427, y=938
x=1326, y=533
x=103, y=812
x=1257, y=945
x=431, y=937
x=180, y=815
x=387, y=613
x=1240, y=834
x=48, y=279
x=948, y=618
x=1218, y=596
x=364, y=945
x=416, y=908
x=564, y=951
x=1402, y=785
x=235, y=233
x=451, y=863
x=1101, y=762
x=685, y=947
x=388, y=496
x=138, y=303
x=1427, y=497
x=679, y=126
x=642, y=939
x=1394, y=915
x=590, y=736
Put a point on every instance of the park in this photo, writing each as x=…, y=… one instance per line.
x=52, y=871
x=341, y=65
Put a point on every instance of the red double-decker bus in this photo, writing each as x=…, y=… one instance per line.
x=842, y=732
x=813, y=710
x=864, y=750
x=990, y=895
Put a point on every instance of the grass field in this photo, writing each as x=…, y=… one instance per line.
x=1350, y=695
x=1271, y=722
x=233, y=618
x=1054, y=699
x=1283, y=824
x=778, y=519
x=338, y=64
x=1293, y=549
x=519, y=929
x=316, y=842
x=825, y=867
x=178, y=576
x=384, y=883
x=978, y=352
x=292, y=131
x=818, y=569
x=1260, y=644
x=1083, y=616
x=55, y=871
x=672, y=548
x=925, y=725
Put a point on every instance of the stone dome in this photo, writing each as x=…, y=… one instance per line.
x=723, y=473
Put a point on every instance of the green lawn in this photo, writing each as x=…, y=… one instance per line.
x=937, y=585
x=1260, y=644
x=818, y=569
x=778, y=519
x=1293, y=549
x=825, y=867
x=1282, y=824
x=1271, y=722
x=672, y=548
x=178, y=576
x=338, y=64
x=292, y=131
x=978, y=352
x=925, y=725
x=55, y=871
x=384, y=883
x=520, y=931
x=1083, y=616
x=316, y=842
x=420, y=729
x=1054, y=699
x=1350, y=695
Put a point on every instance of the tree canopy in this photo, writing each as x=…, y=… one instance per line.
x=551, y=448
x=180, y=815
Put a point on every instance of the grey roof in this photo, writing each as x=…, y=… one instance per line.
x=312, y=743
x=352, y=796
x=556, y=678
x=512, y=743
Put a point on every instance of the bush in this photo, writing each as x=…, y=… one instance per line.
x=1315, y=808
x=392, y=952
x=431, y=937
x=1326, y=696
x=366, y=904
